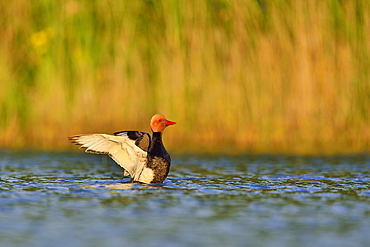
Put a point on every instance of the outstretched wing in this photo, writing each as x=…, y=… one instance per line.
x=141, y=139
x=121, y=149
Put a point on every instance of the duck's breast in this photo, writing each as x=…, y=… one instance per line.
x=160, y=166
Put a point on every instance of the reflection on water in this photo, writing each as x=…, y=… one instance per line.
x=74, y=199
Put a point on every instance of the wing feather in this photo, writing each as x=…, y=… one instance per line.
x=120, y=148
x=141, y=139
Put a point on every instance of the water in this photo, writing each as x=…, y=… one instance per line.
x=76, y=199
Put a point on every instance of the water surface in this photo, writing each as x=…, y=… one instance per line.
x=78, y=199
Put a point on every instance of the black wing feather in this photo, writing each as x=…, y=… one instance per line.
x=142, y=139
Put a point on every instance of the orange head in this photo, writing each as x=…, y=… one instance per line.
x=159, y=123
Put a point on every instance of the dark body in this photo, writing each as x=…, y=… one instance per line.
x=159, y=161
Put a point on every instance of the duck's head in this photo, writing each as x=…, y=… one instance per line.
x=158, y=123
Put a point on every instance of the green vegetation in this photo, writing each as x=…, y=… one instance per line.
x=243, y=75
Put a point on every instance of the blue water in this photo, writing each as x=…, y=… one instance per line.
x=78, y=199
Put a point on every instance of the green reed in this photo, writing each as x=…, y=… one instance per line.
x=246, y=75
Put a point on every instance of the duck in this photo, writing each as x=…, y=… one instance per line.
x=142, y=156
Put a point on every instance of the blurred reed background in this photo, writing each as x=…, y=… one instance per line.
x=237, y=76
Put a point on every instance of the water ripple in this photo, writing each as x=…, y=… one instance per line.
x=226, y=200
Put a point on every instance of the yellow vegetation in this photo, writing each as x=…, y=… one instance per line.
x=237, y=76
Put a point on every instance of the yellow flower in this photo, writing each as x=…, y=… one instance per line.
x=40, y=40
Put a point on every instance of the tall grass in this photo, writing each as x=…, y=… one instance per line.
x=237, y=76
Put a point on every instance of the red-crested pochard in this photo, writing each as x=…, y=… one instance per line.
x=141, y=155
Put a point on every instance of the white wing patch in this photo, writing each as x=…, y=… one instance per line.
x=147, y=176
x=120, y=148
